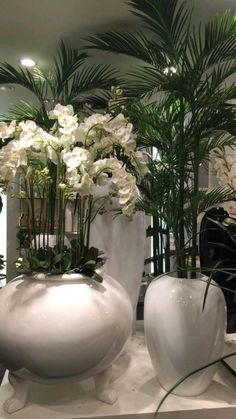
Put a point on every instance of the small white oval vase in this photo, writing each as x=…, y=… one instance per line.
x=180, y=336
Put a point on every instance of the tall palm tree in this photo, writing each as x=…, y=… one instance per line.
x=183, y=70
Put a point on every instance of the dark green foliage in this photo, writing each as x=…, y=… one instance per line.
x=51, y=261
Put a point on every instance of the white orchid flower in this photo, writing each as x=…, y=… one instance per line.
x=6, y=131
x=96, y=119
x=87, y=151
x=77, y=157
x=86, y=185
x=28, y=126
x=61, y=110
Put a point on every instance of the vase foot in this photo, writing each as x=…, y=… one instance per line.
x=104, y=392
x=20, y=396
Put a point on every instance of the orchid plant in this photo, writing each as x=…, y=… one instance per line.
x=76, y=157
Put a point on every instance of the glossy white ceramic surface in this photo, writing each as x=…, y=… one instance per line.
x=124, y=244
x=60, y=327
x=180, y=336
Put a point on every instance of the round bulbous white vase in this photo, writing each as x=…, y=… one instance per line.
x=62, y=326
x=180, y=336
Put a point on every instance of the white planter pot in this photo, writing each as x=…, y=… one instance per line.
x=180, y=336
x=124, y=243
x=63, y=326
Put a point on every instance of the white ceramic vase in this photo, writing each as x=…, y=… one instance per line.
x=62, y=326
x=124, y=244
x=180, y=336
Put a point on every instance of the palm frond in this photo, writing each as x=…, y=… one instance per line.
x=27, y=111
x=146, y=81
x=167, y=19
x=213, y=85
x=92, y=79
x=220, y=36
x=218, y=140
x=135, y=45
x=214, y=43
x=22, y=77
x=66, y=63
x=207, y=199
x=92, y=100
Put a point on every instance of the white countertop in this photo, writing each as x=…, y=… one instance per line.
x=138, y=394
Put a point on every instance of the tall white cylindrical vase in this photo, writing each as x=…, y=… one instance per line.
x=123, y=242
x=182, y=337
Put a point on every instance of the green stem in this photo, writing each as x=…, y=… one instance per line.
x=77, y=231
x=194, y=207
x=42, y=204
x=180, y=257
x=45, y=215
x=167, y=250
x=28, y=212
x=88, y=221
x=81, y=226
x=31, y=196
x=52, y=197
x=155, y=249
x=61, y=220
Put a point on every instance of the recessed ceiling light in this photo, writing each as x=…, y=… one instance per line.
x=27, y=62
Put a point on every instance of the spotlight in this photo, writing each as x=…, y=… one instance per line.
x=27, y=62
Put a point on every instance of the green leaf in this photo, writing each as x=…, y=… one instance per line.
x=97, y=277
x=44, y=264
x=90, y=263
x=57, y=258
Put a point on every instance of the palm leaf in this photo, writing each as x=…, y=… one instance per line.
x=213, y=44
x=90, y=79
x=22, y=77
x=135, y=45
x=27, y=111
x=218, y=140
x=215, y=196
x=66, y=63
x=220, y=36
x=146, y=81
x=165, y=18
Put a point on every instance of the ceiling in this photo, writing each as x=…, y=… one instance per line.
x=34, y=27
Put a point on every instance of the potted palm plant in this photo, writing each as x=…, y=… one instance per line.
x=62, y=304
x=183, y=77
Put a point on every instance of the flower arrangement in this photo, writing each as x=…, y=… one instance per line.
x=65, y=163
